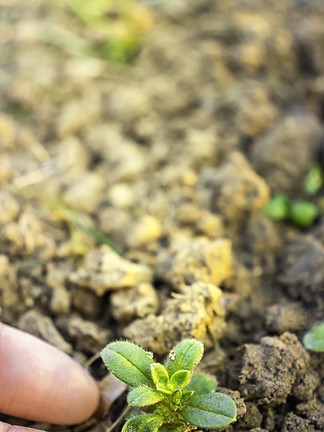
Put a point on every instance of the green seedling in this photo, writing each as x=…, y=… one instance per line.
x=314, y=339
x=278, y=207
x=300, y=213
x=303, y=213
x=178, y=399
x=314, y=180
x=78, y=225
x=115, y=28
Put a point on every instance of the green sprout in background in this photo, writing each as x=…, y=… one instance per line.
x=80, y=229
x=116, y=27
x=314, y=180
x=314, y=339
x=301, y=213
x=183, y=400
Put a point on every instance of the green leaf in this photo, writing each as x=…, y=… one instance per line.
x=180, y=379
x=303, y=213
x=160, y=376
x=186, y=396
x=202, y=384
x=314, y=339
x=184, y=356
x=314, y=179
x=210, y=411
x=143, y=423
x=164, y=390
x=277, y=207
x=143, y=396
x=129, y=363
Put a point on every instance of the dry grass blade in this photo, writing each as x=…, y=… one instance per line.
x=120, y=418
x=91, y=360
x=111, y=388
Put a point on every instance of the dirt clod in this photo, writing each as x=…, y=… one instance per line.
x=196, y=312
x=42, y=326
x=86, y=336
x=272, y=369
x=193, y=260
x=282, y=318
x=104, y=271
x=136, y=302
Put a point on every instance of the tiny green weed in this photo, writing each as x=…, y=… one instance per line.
x=314, y=339
x=301, y=213
x=183, y=400
x=115, y=29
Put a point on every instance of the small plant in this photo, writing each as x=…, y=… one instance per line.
x=314, y=339
x=79, y=228
x=116, y=28
x=301, y=213
x=183, y=400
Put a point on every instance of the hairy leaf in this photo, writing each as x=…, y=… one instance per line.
x=184, y=356
x=143, y=396
x=129, y=363
x=180, y=379
x=159, y=375
x=202, y=384
x=210, y=411
x=164, y=390
x=142, y=423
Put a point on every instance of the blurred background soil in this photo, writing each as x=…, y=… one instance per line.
x=139, y=144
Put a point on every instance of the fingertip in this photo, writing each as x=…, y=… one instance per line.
x=40, y=383
x=82, y=397
x=4, y=427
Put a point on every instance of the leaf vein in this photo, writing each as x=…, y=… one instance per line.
x=147, y=376
x=212, y=412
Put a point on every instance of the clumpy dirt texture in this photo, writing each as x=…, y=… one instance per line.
x=132, y=188
x=197, y=312
x=190, y=260
x=276, y=368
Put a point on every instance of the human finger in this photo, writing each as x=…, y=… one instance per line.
x=4, y=427
x=40, y=383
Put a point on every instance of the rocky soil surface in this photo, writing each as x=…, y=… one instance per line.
x=131, y=199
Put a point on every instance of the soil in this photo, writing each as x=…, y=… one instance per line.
x=131, y=201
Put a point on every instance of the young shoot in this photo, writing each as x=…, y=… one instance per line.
x=314, y=339
x=179, y=399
